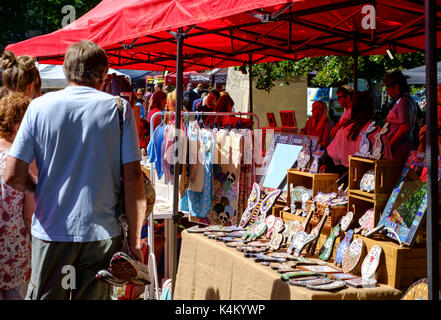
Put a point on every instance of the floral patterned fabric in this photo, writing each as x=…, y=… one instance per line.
x=226, y=174
x=15, y=240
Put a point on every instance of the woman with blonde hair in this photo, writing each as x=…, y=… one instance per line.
x=16, y=208
x=319, y=124
x=20, y=74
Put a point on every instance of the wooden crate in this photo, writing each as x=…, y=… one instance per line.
x=399, y=267
x=387, y=173
x=288, y=216
x=334, y=217
x=277, y=208
x=318, y=182
x=359, y=204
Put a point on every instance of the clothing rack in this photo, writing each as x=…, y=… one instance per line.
x=174, y=214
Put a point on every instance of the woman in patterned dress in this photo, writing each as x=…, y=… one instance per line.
x=16, y=208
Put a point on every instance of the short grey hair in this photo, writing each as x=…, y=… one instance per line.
x=85, y=63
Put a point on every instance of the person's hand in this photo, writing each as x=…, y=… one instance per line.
x=137, y=253
x=422, y=137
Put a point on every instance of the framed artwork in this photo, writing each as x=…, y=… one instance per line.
x=281, y=155
x=406, y=208
x=284, y=157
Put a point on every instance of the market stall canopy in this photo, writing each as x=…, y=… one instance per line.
x=140, y=34
x=206, y=78
x=52, y=76
x=189, y=76
x=418, y=75
x=137, y=76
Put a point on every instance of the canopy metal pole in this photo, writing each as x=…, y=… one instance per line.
x=355, y=66
x=177, y=166
x=250, y=78
x=431, y=152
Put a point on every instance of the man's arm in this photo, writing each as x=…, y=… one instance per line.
x=135, y=204
x=17, y=175
x=28, y=210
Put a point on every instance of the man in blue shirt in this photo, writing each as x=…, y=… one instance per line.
x=74, y=136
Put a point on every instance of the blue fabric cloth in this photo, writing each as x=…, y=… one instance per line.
x=195, y=104
x=141, y=110
x=74, y=136
x=154, y=150
x=199, y=203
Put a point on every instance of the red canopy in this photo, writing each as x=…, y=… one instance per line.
x=139, y=34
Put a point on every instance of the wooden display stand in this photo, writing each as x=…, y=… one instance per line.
x=324, y=182
x=277, y=210
x=387, y=173
x=288, y=216
x=336, y=213
x=399, y=266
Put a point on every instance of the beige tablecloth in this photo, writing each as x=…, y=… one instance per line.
x=209, y=270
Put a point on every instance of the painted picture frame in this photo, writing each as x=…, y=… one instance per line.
x=406, y=208
x=274, y=181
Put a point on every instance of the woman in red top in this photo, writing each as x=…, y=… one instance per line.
x=159, y=100
x=347, y=140
x=319, y=124
x=224, y=104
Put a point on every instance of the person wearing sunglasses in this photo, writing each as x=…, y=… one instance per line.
x=344, y=98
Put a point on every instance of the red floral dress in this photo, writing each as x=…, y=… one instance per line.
x=15, y=240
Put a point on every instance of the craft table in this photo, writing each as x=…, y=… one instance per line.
x=209, y=270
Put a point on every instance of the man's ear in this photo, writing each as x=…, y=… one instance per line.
x=30, y=89
x=101, y=84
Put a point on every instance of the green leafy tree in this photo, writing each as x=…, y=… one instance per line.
x=334, y=70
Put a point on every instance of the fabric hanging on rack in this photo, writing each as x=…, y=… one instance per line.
x=172, y=156
x=196, y=157
x=154, y=149
x=199, y=203
x=167, y=153
x=225, y=178
x=183, y=159
x=247, y=171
